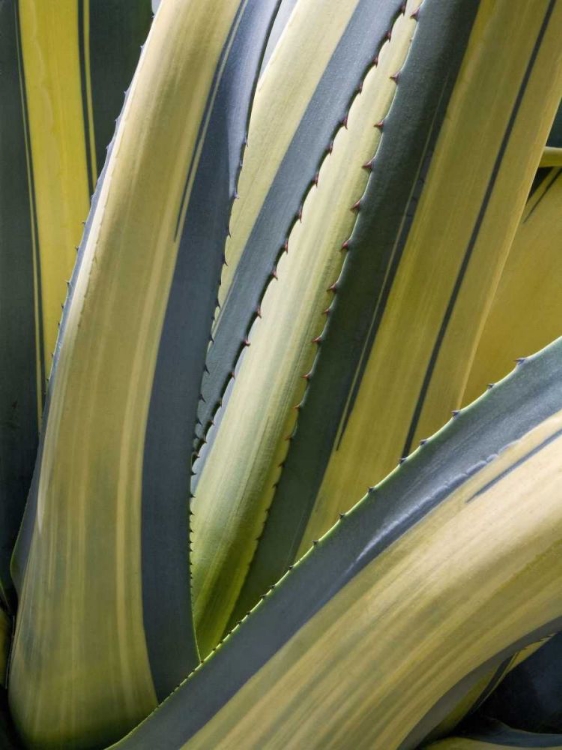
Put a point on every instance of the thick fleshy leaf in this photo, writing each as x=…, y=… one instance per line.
x=442, y=572
x=103, y=552
x=307, y=92
x=371, y=318
x=64, y=66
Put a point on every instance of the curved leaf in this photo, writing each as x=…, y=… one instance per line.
x=442, y=572
x=321, y=410
x=325, y=52
x=64, y=67
x=103, y=551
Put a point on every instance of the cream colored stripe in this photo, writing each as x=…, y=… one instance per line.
x=237, y=484
x=284, y=99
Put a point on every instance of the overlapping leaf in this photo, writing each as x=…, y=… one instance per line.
x=104, y=623
x=372, y=315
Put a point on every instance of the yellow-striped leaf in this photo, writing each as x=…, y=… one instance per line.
x=104, y=625
x=307, y=91
x=64, y=66
x=442, y=572
x=370, y=320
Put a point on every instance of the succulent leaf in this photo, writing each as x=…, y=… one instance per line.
x=440, y=574
x=103, y=552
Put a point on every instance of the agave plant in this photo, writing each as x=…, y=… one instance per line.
x=276, y=487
